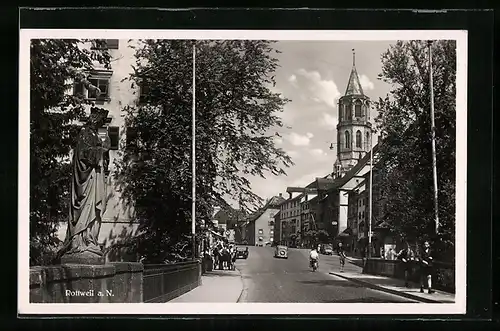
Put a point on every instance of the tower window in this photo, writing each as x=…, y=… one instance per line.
x=347, y=140
x=358, y=139
x=367, y=141
x=357, y=109
x=348, y=111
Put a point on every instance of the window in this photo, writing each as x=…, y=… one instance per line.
x=348, y=111
x=103, y=85
x=367, y=140
x=359, y=215
x=357, y=109
x=114, y=136
x=106, y=44
x=131, y=137
x=358, y=139
x=341, y=112
x=79, y=90
x=363, y=215
x=271, y=223
x=261, y=231
x=143, y=92
x=347, y=140
x=272, y=231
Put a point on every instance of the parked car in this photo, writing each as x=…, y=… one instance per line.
x=281, y=251
x=327, y=249
x=242, y=253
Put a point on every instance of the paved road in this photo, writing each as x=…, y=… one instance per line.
x=266, y=279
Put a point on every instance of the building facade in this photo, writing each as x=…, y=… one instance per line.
x=260, y=226
x=116, y=92
x=290, y=217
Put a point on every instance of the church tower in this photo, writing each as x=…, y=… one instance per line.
x=354, y=126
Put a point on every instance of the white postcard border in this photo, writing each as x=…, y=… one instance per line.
x=25, y=307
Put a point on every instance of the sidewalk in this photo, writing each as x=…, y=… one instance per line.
x=396, y=287
x=216, y=286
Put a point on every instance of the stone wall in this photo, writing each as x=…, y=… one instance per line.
x=70, y=283
x=443, y=277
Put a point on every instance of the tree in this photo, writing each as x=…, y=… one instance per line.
x=405, y=164
x=54, y=65
x=235, y=110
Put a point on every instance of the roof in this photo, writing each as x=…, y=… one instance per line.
x=354, y=170
x=274, y=202
x=353, y=85
x=228, y=214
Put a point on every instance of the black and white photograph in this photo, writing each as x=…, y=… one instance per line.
x=238, y=171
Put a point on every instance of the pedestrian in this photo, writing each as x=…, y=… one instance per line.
x=342, y=256
x=426, y=267
x=363, y=255
x=233, y=258
x=407, y=256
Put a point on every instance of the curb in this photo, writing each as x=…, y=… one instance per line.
x=384, y=289
x=242, y=286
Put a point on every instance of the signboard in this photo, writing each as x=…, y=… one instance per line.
x=335, y=223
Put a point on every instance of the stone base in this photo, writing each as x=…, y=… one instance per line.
x=87, y=258
x=78, y=283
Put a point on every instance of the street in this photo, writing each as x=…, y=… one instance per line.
x=268, y=279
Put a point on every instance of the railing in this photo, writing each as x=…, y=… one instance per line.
x=443, y=277
x=164, y=282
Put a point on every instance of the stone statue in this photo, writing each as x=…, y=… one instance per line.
x=88, y=194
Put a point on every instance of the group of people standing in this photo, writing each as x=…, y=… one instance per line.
x=224, y=256
x=425, y=262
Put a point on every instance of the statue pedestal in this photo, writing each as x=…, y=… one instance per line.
x=119, y=282
x=88, y=258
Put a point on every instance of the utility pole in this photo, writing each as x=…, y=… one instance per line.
x=371, y=201
x=193, y=156
x=433, y=132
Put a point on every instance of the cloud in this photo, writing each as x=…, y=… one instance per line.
x=318, y=152
x=293, y=80
x=293, y=154
x=319, y=89
x=299, y=140
x=278, y=140
x=366, y=83
x=329, y=121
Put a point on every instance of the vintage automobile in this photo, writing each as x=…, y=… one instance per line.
x=327, y=249
x=281, y=251
x=242, y=253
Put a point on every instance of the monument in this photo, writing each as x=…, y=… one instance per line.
x=88, y=194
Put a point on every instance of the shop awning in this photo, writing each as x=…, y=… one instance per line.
x=346, y=233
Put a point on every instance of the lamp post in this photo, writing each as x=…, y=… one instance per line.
x=371, y=202
x=193, y=156
x=433, y=132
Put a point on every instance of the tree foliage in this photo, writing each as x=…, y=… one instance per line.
x=54, y=65
x=235, y=110
x=405, y=166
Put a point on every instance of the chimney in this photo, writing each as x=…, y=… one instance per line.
x=281, y=195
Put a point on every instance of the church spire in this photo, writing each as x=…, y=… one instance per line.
x=354, y=86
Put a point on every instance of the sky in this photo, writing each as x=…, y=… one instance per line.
x=314, y=74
